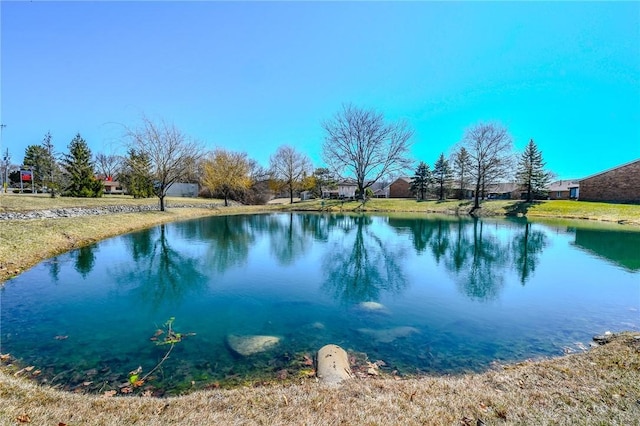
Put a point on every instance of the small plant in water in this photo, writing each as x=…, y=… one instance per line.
x=169, y=337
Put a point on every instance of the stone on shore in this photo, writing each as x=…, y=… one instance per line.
x=333, y=365
x=250, y=345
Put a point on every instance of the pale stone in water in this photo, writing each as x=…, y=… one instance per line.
x=388, y=335
x=372, y=307
x=249, y=345
x=333, y=365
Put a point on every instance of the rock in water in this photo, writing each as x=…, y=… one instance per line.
x=373, y=307
x=249, y=345
x=388, y=335
x=333, y=365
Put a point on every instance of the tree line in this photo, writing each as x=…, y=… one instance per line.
x=360, y=145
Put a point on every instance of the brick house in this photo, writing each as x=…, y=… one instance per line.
x=401, y=188
x=619, y=185
x=564, y=190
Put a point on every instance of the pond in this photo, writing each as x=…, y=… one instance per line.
x=251, y=298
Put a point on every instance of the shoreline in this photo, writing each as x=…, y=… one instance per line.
x=599, y=386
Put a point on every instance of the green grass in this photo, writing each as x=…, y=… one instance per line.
x=621, y=213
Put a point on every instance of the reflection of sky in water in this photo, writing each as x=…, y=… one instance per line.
x=471, y=291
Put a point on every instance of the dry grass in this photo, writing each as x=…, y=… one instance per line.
x=601, y=386
x=29, y=202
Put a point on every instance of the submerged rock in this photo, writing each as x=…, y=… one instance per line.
x=249, y=345
x=388, y=335
x=373, y=307
x=333, y=365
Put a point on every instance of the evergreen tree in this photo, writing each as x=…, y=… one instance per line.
x=531, y=175
x=78, y=169
x=35, y=159
x=461, y=166
x=51, y=169
x=441, y=175
x=421, y=180
x=136, y=174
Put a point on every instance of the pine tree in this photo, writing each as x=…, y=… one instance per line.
x=35, y=159
x=461, y=166
x=136, y=176
x=441, y=175
x=51, y=169
x=79, y=171
x=531, y=175
x=421, y=180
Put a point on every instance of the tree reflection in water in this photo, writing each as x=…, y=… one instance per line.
x=229, y=240
x=362, y=270
x=482, y=276
x=161, y=274
x=288, y=241
x=85, y=260
x=478, y=260
x=526, y=248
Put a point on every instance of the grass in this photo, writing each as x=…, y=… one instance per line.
x=620, y=213
x=601, y=386
x=28, y=202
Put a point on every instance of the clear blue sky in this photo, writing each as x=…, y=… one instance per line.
x=251, y=76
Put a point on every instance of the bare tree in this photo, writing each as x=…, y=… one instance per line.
x=108, y=165
x=359, y=143
x=171, y=153
x=290, y=167
x=490, y=151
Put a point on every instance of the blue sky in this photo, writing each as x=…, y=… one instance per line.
x=251, y=76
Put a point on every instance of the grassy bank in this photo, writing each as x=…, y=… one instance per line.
x=619, y=213
x=601, y=386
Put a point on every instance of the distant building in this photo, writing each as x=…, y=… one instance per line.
x=111, y=186
x=619, y=185
x=183, y=190
x=503, y=191
x=380, y=190
x=344, y=189
x=401, y=188
x=564, y=190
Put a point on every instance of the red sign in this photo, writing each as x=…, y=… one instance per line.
x=25, y=174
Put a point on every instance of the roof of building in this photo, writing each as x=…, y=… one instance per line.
x=407, y=179
x=611, y=169
x=563, y=185
x=501, y=187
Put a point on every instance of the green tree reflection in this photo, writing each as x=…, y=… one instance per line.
x=362, y=270
x=288, y=241
x=483, y=278
x=85, y=260
x=526, y=248
x=161, y=274
x=229, y=239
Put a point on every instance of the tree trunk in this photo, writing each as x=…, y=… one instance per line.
x=476, y=200
x=226, y=201
x=162, y=203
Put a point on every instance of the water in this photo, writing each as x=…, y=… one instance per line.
x=451, y=295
